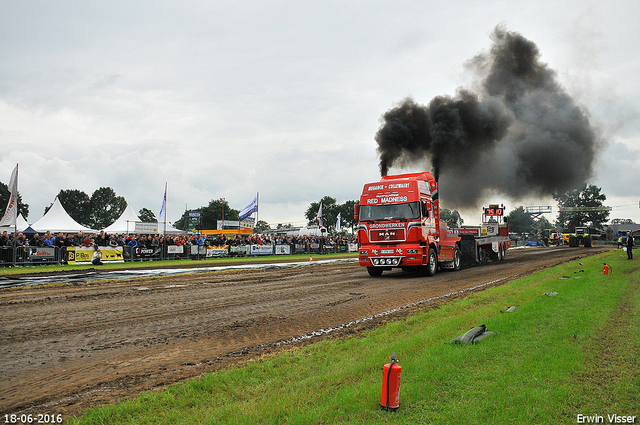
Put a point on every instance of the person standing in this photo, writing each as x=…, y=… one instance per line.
x=630, y=246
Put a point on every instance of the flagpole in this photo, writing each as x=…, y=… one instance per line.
x=257, y=209
x=15, y=223
x=165, y=208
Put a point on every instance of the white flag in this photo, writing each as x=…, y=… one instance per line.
x=163, y=209
x=319, y=215
x=249, y=209
x=11, y=213
x=338, y=224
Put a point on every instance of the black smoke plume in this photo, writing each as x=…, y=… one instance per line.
x=518, y=133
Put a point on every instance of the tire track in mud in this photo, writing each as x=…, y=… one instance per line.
x=72, y=347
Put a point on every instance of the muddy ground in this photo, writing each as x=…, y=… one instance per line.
x=65, y=349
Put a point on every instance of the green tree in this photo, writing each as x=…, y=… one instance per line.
x=210, y=215
x=147, y=216
x=519, y=221
x=347, y=211
x=106, y=207
x=329, y=212
x=77, y=204
x=5, y=194
x=261, y=226
x=452, y=218
x=590, y=199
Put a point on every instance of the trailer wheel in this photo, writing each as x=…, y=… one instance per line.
x=457, y=259
x=483, y=256
x=374, y=271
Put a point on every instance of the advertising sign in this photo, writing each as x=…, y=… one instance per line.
x=218, y=251
x=83, y=255
x=261, y=250
x=146, y=228
x=283, y=249
x=42, y=252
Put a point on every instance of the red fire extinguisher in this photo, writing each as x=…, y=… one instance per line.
x=390, y=398
x=607, y=268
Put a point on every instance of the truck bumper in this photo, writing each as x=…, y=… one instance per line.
x=399, y=256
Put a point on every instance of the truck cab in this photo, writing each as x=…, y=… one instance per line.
x=399, y=226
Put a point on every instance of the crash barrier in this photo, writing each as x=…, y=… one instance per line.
x=31, y=256
x=34, y=256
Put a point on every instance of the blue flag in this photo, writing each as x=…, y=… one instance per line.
x=250, y=208
x=163, y=209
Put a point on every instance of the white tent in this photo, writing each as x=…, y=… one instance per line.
x=57, y=220
x=21, y=225
x=126, y=223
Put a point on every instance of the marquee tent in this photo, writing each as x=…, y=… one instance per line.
x=58, y=220
x=126, y=223
x=21, y=226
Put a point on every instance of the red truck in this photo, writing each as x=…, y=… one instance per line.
x=399, y=226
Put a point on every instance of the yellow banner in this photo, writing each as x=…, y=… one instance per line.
x=83, y=255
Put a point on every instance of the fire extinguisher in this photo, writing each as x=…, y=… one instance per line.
x=390, y=398
x=607, y=268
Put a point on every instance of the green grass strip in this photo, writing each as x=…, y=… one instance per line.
x=554, y=358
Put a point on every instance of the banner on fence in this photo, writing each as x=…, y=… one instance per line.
x=42, y=252
x=218, y=251
x=261, y=250
x=144, y=252
x=175, y=249
x=352, y=247
x=283, y=249
x=198, y=250
x=82, y=255
x=240, y=250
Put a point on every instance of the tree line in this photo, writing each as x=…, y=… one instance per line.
x=104, y=207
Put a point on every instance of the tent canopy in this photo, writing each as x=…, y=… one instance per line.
x=126, y=223
x=58, y=220
x=21, y=225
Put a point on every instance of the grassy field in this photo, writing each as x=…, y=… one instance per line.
x=554, y=358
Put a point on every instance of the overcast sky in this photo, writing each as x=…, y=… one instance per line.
x=224, y=99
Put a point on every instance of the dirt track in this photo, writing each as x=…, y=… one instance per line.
x=65, y=349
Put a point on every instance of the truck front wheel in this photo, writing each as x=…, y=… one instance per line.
x=374, y=271
x=432, y=264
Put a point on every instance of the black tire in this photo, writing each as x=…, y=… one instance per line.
x=432, y=265
x=374, y=271
x=457, y=259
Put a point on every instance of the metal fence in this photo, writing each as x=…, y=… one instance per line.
x=35, y=256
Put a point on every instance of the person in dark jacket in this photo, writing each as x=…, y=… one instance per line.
x=630, y=246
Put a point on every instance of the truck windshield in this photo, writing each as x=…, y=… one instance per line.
x=408, y=211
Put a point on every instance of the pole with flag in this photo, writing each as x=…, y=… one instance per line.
x=11, y=212
x=338, y=223
x=163, y=209
x=319, y=215
x=249, y=209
